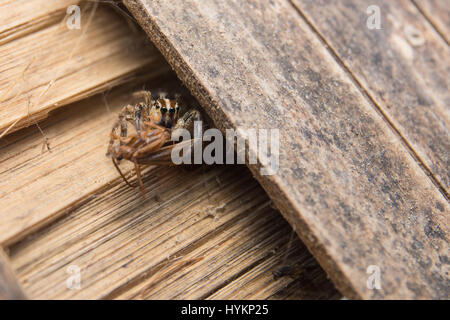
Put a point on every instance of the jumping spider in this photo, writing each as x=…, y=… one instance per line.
x=148, y=140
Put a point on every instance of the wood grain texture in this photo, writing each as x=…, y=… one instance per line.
x=346, y=183
x=54, y=66
x=37, y=184
x=438, y=13
x=9, y=286
x=258, y=282
x=404, y=66
x=199, y=230
x=202, y=234
x=22, y=17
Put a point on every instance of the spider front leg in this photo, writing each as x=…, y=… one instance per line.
x=155, y=145
x=126, y=114
x=163, y=154
x=188, y=120
x=155, y=153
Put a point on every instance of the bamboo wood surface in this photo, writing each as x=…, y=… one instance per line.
x=68, y=207
x=347, y=183
x=22, y=17
x=54, y=65
x=198, y=231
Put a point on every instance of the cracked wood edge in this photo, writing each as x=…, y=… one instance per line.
x=346, y=183
x=437, y=13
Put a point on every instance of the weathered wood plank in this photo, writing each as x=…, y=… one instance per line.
x=404, y=66
x=76, y=210
x=346, y=182
x=9, y=286
x=21, y=17
x=37, y=185
x=248, y=248
x=55, y=66
x=438, y=13
x=197, y=230
x=258, y=283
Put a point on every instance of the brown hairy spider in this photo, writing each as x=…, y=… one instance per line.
x=148, y=140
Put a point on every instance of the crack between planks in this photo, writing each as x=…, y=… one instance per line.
x=430, y=21
x=354, y=79
x=17, y=238
x=25, y=29
x=186, y=74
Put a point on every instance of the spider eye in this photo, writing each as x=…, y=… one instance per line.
x=157, y=106
x=172, y=110
x=164, y=110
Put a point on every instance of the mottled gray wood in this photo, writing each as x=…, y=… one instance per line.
x=346, y=183
x=404, y=66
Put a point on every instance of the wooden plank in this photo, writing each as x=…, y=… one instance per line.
x=55, y=66
x=438, y=13
x=205, y=228
x=66, y=207
x=21, y=17
x=258, y=283
x=404, y=67
x=9, y=287
x=346, y=183
x=37, y=185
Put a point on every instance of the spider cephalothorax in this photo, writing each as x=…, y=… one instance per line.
x=165, y=112
x=142, y=133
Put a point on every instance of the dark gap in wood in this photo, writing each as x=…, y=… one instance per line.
x=55, y=18
x=430, y=21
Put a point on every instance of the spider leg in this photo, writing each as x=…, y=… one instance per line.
x=125, y=112
x=163, y=156
x=122, y=140
x=156, y=143
x=153, y=125
x=121, y=174
x=139, y=177
x=112, y=136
